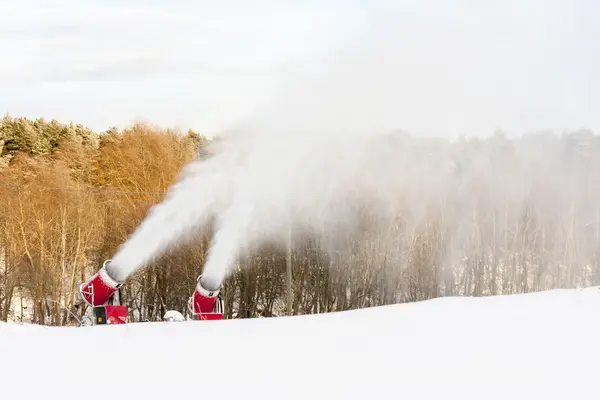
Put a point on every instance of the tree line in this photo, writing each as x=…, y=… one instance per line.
x=70, y=196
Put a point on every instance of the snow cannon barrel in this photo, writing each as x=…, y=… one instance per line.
x=206, y=303
x=98, y=290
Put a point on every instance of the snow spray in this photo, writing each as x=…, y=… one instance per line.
x=329, y=146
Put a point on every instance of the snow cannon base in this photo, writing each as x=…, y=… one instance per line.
x=208, y=316
x=110, y=315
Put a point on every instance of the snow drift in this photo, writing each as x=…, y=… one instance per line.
x=533, y=346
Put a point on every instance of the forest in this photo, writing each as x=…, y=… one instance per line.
x=69, y=197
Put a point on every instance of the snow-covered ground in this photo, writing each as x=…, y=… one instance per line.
x=535, y=346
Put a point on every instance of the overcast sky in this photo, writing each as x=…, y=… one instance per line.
x=432, y=67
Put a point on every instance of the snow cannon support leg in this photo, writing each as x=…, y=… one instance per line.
x=98, y=290
x=206, y=304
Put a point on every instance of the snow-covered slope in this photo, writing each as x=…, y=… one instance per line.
x=535, y=346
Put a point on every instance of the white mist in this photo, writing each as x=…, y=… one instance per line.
x=322, y=151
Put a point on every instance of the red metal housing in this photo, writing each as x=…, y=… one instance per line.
x=111, y=315
x=98, y=290
x=206, y=304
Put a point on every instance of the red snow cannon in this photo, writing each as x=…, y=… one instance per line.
x=205, y=304
x=102, y=294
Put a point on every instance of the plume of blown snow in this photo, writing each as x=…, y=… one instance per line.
x=324, y=151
